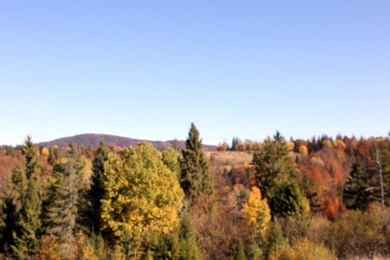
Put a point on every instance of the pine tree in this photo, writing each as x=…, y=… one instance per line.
x=310, y=192
x=28, y=223
x=21, y=207
x=288, y=199
x=29, y=152
x=170, y=159
x=188, y=248
x=240, y=250
x=95, y=194
x=12, y=204
x=356, y=194
x=276, y=178
x=64, y=195
x=196, y=178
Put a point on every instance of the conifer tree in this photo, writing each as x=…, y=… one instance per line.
x=29, y=152
x=288, y=199
x=12, y=204
x=356, y=194
x=21, y=207
x=276, y=178
x=95, y=194
x=64, y=195
x=240, y=250
x=170, y=159
x=188, y=248
x=28, y=223
x=309, y=190
x=196, y=178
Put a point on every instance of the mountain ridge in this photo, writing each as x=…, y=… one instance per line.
x=93, y=140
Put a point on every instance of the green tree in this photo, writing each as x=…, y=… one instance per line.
x=310, y=192
x=188, y=248
x=240, y=250
x=95, y=194
x=276, y=173
x=179, y=245
x=196, y=178
x=356, y=194
x=12, y=204
x=28, y=223
x=141, y=195
x=29, y=152
x=170, y=159
x=22, y=207
x=68, y=178
x=288, y=199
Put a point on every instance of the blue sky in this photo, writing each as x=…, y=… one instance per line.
x=147, y=69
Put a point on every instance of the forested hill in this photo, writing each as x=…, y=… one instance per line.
x=93, y=140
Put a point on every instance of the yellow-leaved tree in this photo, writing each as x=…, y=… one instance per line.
x=141, y=194
x=256, y=212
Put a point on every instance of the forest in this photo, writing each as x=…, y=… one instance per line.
x=320, y=198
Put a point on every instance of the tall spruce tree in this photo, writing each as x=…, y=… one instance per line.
x=63, y=196
x=22, y=207
x=95, y=194
x=357, y=194
x=196, y=178
x=276, y=178
x=29, y=152
x=28, y=223
x=12, y=204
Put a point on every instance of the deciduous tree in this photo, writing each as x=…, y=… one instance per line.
x=256, y=212
x=141, y=194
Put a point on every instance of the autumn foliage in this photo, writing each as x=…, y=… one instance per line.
x=320, y=198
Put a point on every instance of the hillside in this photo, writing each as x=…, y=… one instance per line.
x=93, y=140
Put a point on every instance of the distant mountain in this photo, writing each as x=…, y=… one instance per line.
x=93, y=140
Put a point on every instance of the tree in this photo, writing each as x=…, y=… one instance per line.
x=141, y=194
x=188, y=248
x=309, y=190
x=22, y=207
x=196, y=178
x=28, y=223
x=12, y=204
x=95, y=194
x=68, y=178
x=170, y=159
x=275, y=174
x=29, y=152
x=256, y=212
x=356, y=194
x=385, y=168
x=240, y=250
x=288, y=199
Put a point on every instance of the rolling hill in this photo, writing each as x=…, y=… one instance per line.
x=93, y=140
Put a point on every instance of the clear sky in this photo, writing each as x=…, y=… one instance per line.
x=147, y=69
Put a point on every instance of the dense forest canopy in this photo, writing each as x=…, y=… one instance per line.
x=321, y=198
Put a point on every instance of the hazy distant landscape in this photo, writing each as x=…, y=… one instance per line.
x=93, y=140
